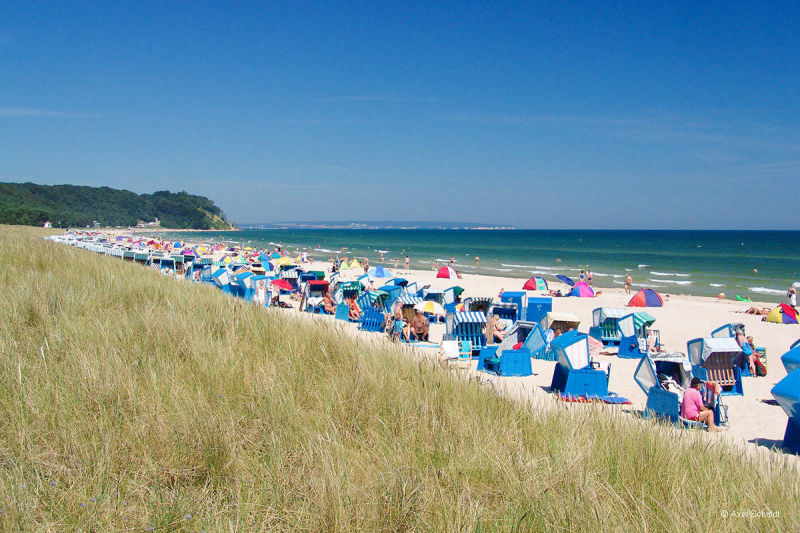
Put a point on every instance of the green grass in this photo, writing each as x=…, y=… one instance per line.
x=132, y=401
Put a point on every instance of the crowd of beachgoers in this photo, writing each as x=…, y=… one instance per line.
x=424, y=309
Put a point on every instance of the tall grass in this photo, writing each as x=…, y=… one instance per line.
x=131, y=401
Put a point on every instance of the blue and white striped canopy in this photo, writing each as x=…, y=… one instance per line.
x=410, y=300
x=470, y=316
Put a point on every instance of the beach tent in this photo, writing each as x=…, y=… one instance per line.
x=783, y=314
x=378, y=272
x=582, y=290
x=355, y=264
x=447, y=272
x=535, y=284
x=564, y=279
x=646, y=298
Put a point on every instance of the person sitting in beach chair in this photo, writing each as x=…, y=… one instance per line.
x=328, y=304
x=498, y=329
x=355, y=312
x=419, y=327
x=693, y=408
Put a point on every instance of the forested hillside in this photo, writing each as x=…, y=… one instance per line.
x=72, y=205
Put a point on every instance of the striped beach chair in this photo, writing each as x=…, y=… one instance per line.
x=467, y=326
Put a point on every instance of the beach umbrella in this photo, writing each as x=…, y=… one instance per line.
x=283, y=261
x=565, y=279
x=535, y=284
x=377, y=272
x=430, y=307
x=447, y=272
x=281, y=284
x=247, y=249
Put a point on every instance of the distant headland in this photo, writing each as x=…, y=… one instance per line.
x=29, y=204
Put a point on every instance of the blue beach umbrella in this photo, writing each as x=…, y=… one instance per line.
x=565, y=279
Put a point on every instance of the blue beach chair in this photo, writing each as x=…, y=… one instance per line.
x=467, y=326
x=787, y=394
x=504, y=360
x=575, y=374
x=713, y=360
x=604, y=325
x=634, y=328
x=537, y=308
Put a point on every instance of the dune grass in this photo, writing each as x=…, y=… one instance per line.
x=131, y=401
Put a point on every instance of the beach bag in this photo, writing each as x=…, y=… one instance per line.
x=761, y=370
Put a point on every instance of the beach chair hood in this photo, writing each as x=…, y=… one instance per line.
x=645, y=374
x=571, y=350
x=600, y=314
x=791, y=359
x=633, y=322
x=701, y=349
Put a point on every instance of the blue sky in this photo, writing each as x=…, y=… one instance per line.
x=579, y=114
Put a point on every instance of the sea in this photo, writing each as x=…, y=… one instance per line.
x=761, y=265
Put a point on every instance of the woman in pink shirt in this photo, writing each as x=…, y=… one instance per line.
x=692, y=407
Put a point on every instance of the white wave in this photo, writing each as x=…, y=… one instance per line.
x=517, y=266
x=796, y=284
x=600, y=275
x=324, y=250
x=381, y=251
x=539, y=272
x=503, y=269
x=643, y=266
x=545, y=268
x=679, y=274
x=717, y=284
x=672, y=281
x=765, y=290
x=617, y=276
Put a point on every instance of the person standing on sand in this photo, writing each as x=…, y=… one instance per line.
x=477, y=260
x=582, y=276
x=395, y=263
x=589, y=277
x=407, y=262
x=792, y=296
x=628, y=282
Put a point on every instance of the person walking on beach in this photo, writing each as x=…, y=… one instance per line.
x=792, y=296
x=628, y=282
x=395, y=263
x=582, y=276
x=589, y=277
x=407, y=262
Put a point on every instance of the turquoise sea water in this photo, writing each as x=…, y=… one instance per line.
x=673, y=262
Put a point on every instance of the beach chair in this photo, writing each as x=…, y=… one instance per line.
x=575, y=374
x=342, y=312
x=634, y=329
x=713, y=360
x=449, y=299
x=537, y=308
x=732, y=330
x=465, y=350
x=411, y=289
x=222, y=279
x=372, y=319
x=477, y=304
x=315, y=291
x=604, y=325
x=787, y=393
x=791, y=359
x=504, y=311
x=512, y=357
x=661, y=402
x=795, y=344
x=467, y=326
x=520, y=298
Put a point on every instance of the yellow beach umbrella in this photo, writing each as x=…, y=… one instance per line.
x=285, y=260
x=430, y=307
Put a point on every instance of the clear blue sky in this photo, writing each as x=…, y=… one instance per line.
x=651, y=115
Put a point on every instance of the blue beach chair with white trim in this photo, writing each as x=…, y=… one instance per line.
x=575, y=374
x=713, y=360
x=537, y=307
x=634, y=329
x=520, y=298
x=604, y=324
x=787, y=393
x=506, y=360
x=467, y=326
x=222, y=279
